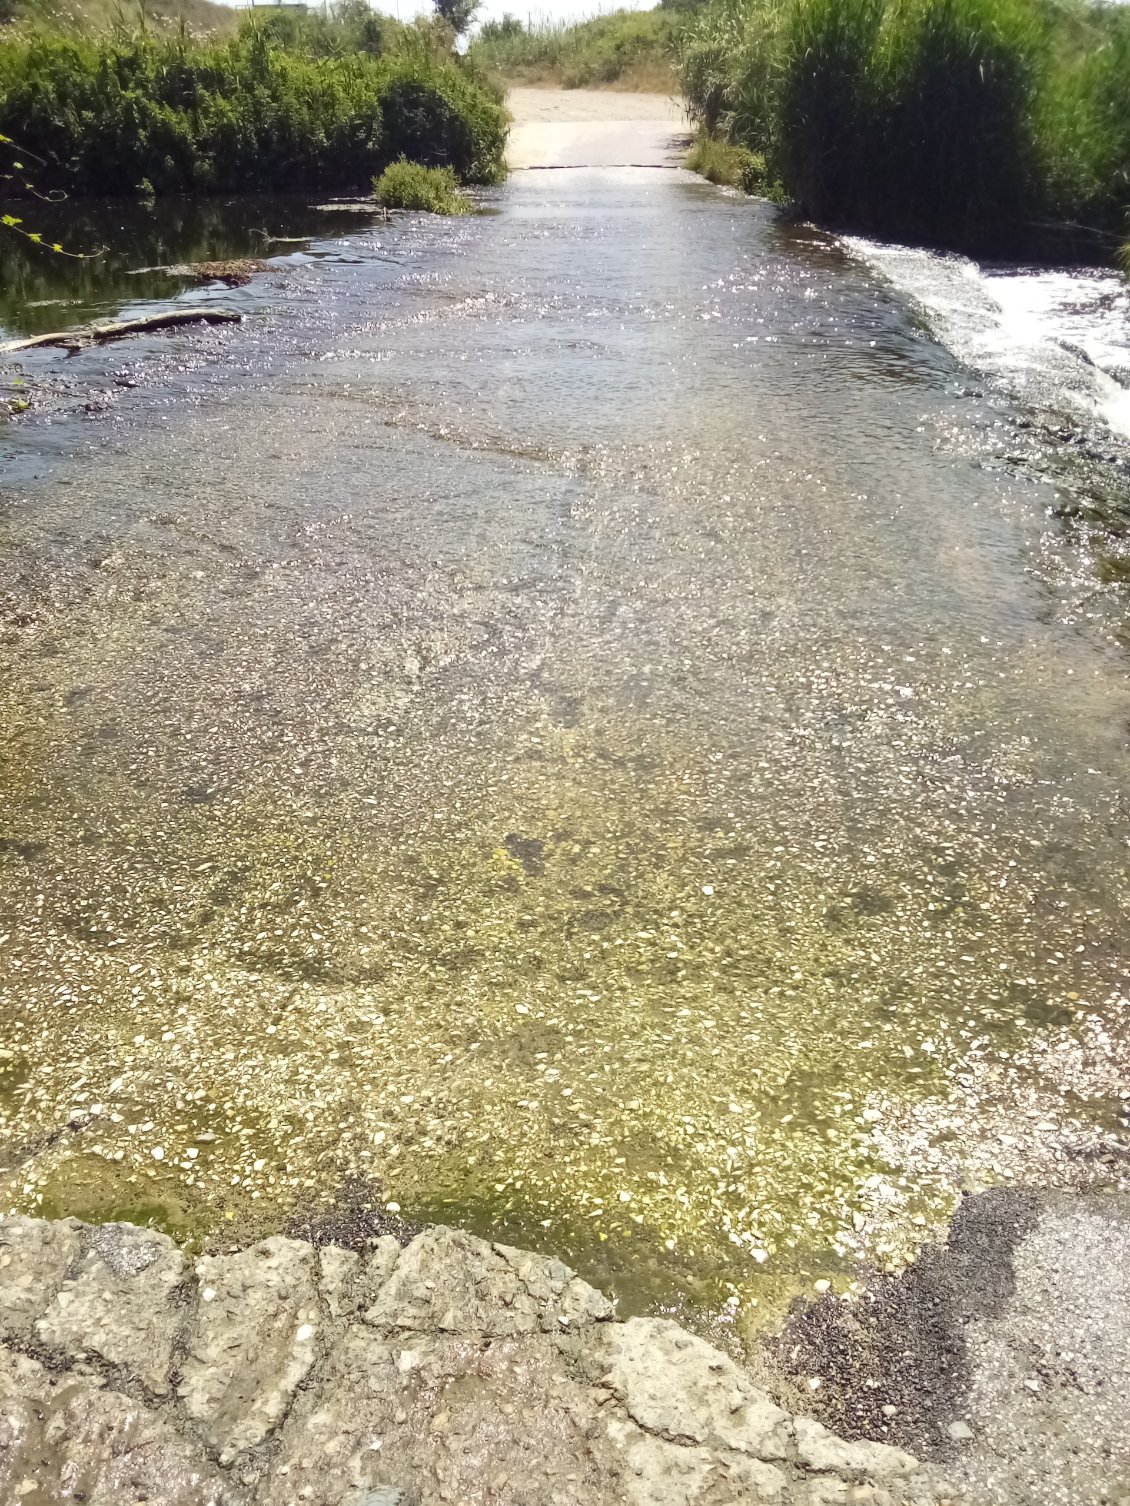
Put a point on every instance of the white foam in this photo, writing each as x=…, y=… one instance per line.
x=1058, y=339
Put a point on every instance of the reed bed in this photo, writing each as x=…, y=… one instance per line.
x=989, y=126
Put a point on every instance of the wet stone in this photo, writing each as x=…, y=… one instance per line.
x=68, y=1438
x=374, y=1272
x=656, y=1471
x=119, y=1303
x=337, y=1272
x=681, y=1388
x=437, y=1373
x=818, y=1449
x=252, y=1341
x=446, y=1281
x=34, y=1259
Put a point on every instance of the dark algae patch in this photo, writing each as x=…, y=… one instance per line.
x=893, y=1363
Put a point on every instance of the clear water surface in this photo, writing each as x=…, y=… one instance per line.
x=585, y=722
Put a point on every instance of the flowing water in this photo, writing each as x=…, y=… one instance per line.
x=1058, y=339
x=585, y=722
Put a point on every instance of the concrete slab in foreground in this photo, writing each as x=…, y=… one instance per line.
x=450, y=1370
x=594, y=128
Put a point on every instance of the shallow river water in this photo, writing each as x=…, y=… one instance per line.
x=584, y=722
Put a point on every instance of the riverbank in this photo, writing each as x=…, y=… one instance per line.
x=450, y=1370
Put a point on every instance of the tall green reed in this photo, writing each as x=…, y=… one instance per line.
x=992, y=126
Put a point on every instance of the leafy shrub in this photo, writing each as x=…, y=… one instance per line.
x=408, y=185
x=237, y=115
x=442, y=118
x=724, y=163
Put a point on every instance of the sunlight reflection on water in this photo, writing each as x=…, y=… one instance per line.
x=565, y=732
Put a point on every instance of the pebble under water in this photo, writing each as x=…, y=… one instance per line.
x=584, y=723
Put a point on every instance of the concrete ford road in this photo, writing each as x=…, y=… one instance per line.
x=581, y=723
x=594, y=128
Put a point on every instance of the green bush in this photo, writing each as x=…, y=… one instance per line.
x=724, y=163
x=246, y=114
x=408, y=185
x=443, y=118
x=993, y=126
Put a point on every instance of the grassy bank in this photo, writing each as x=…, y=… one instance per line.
x=624, y=50
x=727, y=164
x=291, y=103
x=991, y=126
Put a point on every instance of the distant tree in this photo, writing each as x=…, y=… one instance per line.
x=457, y=13
x=499, y=31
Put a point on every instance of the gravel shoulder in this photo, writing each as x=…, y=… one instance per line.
x=1003, y=1355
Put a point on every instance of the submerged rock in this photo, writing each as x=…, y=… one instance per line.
x=235, y=273
x=452, y=1370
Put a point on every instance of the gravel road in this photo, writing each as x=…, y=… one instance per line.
x=1004, y=1355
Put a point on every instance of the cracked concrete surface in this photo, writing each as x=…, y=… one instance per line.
x=451, y=1370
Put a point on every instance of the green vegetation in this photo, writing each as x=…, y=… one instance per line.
x=725, y=163
x=627, y=49
x=201, y=17
x=291, y=102
x=408, y=185
x=992, y=126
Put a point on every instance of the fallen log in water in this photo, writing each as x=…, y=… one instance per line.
x=97, y=334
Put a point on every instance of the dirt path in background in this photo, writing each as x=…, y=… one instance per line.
x=594, y=128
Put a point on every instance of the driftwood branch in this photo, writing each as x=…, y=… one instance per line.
x=96, y=334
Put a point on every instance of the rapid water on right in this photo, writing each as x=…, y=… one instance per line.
x=1056, y=339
